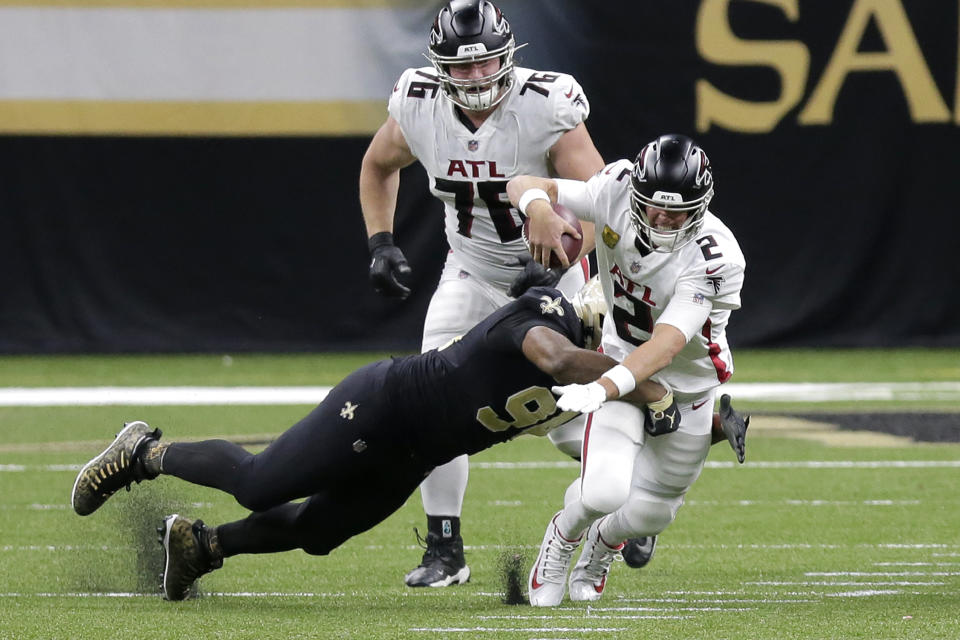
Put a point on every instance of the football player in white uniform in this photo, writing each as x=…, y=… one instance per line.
x=474, y=120
x=671, y=274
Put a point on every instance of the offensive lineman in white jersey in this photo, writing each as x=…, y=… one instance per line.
x=671, y=273
x=473, y=120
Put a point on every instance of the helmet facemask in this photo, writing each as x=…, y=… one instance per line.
x=468, y=32
x=667, y=240
x=476, y=94
x=591, y=308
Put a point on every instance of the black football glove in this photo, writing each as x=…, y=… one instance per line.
x=734, y=427
x=533, y=275
x=663, y=416
x=386, y=263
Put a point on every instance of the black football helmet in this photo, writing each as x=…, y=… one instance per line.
x=671, y=173
x=467, y=31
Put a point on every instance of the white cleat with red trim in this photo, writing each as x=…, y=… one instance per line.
x=548, y=577
x=589, y=575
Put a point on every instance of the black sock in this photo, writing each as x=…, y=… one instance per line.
x=444, y=527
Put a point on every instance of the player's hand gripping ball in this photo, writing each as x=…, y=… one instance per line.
x=571, y=245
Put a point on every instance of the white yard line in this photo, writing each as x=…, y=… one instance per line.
x=518, y=629
x=157, y=396
x=782, y=464
x=251, y=395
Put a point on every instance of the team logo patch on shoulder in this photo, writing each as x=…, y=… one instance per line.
x=348, y=409
x=610, y=237
x=551, y=305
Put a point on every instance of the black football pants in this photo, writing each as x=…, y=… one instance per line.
x=349, y=457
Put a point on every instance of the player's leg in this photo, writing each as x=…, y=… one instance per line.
x=460, y=302
x=346, y=435
x=666, y=467
x=315, y=451
x=611, y=441
x=317, y=525
x=339, y=455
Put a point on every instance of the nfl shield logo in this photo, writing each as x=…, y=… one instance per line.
x=634, y=267
x=473, y=145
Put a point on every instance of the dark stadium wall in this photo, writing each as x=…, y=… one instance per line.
x=832, y=129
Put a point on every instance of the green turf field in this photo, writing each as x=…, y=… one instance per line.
x=815, y=537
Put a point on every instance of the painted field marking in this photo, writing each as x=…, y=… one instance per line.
x=787, y=583
x=784, y=464
x=517, y=629
x=158, y=396
x=256, y=395
x=881, y=574
x=917, y=564
x=801, y=503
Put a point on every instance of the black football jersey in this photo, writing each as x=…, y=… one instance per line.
x=480, y=389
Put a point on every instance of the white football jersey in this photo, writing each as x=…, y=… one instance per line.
x=693, y=289
x=469, y=171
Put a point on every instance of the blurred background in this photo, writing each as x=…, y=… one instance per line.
x=181, y=176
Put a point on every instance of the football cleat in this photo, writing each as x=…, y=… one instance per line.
x=548, y=577
x=638, y=552
x=442, y=565
x=116, y=467
x=589, y=575
x=186, y=555
x=734, y=427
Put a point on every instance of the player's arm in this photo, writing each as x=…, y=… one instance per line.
x=575, y=157
x=533, y=196
x=380, y=169
x=619, y=381
x=556, y=356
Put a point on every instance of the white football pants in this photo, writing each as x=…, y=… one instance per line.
x=637, y=478
x=460, y=302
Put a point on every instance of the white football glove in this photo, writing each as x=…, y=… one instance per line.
x=584, y=398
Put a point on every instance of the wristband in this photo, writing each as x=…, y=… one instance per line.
x=622, y=378
x=380, y=239
x=663, y=403
x=529, y=196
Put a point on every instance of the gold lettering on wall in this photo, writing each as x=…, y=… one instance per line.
x=902, y=56
x=717, y=43
x=790, y=59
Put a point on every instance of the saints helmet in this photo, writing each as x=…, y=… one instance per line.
x=468, y=31
x=591, y=307
x=671, y=173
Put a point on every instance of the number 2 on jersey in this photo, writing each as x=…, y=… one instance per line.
x=493, y=195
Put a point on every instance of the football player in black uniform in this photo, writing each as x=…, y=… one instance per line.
x=489, y=387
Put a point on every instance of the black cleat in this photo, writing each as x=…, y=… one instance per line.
x=638, y=552
x=113, y=469
x=186, y=555
x=734, y=427
x=443, y=564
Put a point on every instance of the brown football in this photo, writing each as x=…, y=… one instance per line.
x=570, y=244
